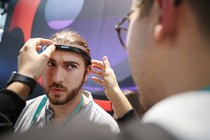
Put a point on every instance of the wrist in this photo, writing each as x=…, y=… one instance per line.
x=16, y=77
x=26, y=74
x=20, y=89
x=115, y=93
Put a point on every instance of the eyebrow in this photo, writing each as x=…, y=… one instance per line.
x=71, y=62
x=66, y=62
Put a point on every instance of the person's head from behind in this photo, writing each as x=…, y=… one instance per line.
x=134, y=99
x=165, y=39
x=68, y=67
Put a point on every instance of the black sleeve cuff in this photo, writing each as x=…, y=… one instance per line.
x=11, y=104
x=128, y=117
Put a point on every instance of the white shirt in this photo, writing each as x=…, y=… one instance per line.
x=91, y=110
x=186, y=115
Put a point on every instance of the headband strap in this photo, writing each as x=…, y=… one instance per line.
x=75, y=50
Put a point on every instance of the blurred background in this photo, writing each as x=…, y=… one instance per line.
x=93, y=19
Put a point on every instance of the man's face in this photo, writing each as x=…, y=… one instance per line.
x=64, y=76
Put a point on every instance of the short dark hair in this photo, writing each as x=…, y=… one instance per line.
x=147, y=6
x=201, y=9
x=134, y=99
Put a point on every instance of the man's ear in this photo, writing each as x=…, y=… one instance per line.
x=87, y=72
x=166, y=20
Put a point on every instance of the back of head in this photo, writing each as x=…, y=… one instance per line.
x=201, y=9
x=134, y=99
x=185, y=41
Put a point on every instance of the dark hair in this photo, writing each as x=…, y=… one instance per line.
x=134, y=99
x=147, y=6
x=201, y=8
x=69, y=37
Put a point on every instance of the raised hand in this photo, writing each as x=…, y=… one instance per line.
x=108, y=80
x=30, y=62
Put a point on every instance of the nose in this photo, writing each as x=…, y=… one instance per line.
x=58, y=75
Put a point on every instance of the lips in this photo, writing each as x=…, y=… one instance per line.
x=57, y=90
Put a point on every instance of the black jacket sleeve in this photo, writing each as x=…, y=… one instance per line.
x=127, y=118
x=11, y=105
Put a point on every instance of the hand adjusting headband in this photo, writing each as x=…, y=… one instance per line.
x=75, y=50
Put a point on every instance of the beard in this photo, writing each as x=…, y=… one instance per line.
x=70, y=94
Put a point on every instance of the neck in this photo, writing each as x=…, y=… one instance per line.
x=191, y=67
x=62, y=112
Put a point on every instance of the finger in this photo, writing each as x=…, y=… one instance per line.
x=98, y=81
x=36, y=42
x=97, y=73
x=48, y=51
x=43, y=41
x=38, y=47
x=97, y=62
x=106, y=62
x=98, y=67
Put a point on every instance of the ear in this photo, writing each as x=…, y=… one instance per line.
x=87, y=72
x=166, y=23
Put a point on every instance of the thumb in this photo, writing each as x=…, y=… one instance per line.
x=48, y=51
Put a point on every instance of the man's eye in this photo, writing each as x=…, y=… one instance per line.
x=72, y=66
x=50, y=64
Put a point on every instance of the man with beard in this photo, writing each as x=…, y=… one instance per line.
x=67, y=70
x=168, y=52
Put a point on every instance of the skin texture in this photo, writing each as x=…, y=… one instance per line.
x=62, y=80
x=63, y=74
x=64, y=77
x=28, y=63
x=105, y=77
x=167, y=52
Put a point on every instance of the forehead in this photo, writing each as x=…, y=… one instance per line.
x=65, y=56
